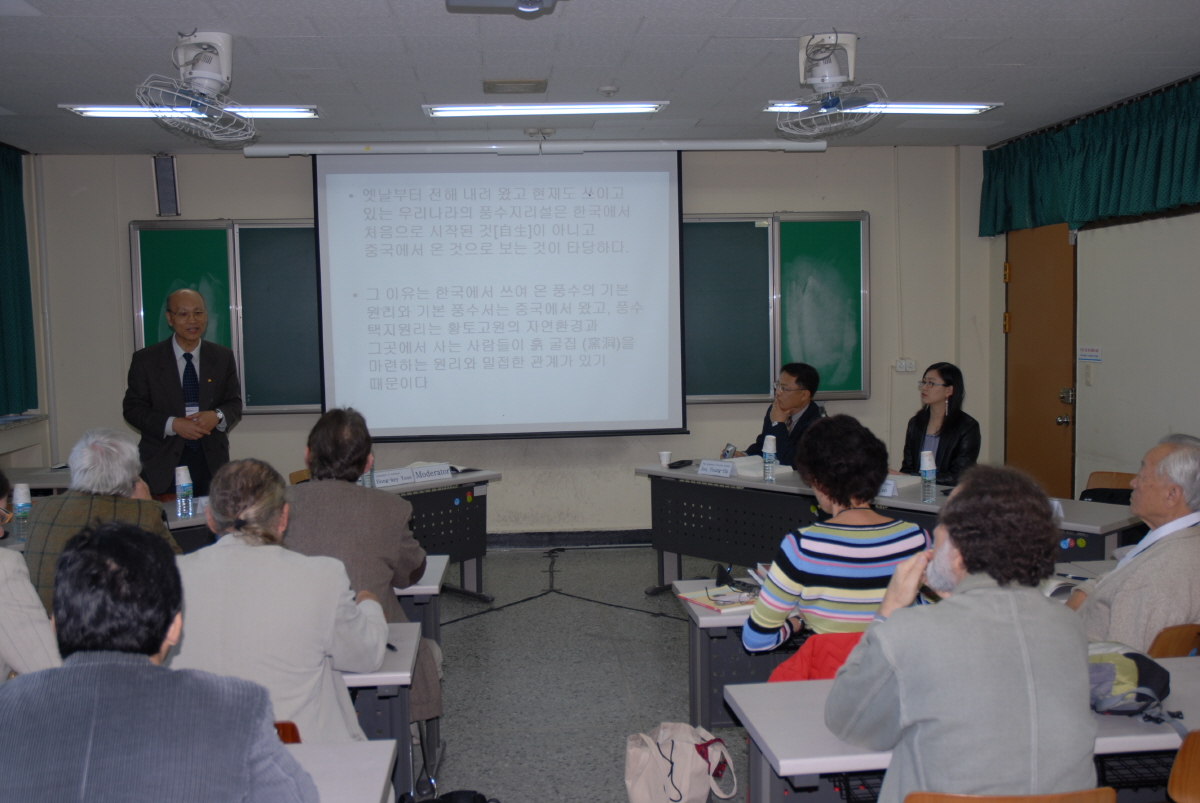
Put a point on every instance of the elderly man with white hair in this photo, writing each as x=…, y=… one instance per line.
x=105, y=487
x=1157, y=583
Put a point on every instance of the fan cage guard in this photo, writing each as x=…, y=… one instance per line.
x=807, y=126
x=218, y=126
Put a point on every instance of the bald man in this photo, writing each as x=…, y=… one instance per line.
x=183, y=395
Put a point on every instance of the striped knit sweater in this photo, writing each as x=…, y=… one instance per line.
x=835, y=574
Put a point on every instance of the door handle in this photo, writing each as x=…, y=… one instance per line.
x=1063, y=420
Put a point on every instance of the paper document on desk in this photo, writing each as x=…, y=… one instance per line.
x=722, y=599
x=904, y=480
x=752, y=466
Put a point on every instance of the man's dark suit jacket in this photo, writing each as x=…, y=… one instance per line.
x=155, y=393
x=785, y=442
x=112, y=726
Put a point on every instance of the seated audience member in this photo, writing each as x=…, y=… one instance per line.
x=941, y=426
x=792, y=412
x=105, y=487
x=1157, y=583
x=26, y=637
x=113, y=724
x=264, y=613
x=837, y=570
x=366, y=529
x=986, y=692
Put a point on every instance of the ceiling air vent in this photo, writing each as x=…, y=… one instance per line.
x=514, y=87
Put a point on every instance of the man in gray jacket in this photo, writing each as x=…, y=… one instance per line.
x=994, y=678
x=112, y=724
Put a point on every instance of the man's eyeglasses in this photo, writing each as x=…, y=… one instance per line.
x=925, y=383
x=778, y=388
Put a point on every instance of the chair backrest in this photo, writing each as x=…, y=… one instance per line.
x=297, y=477
x=288, y=732
x=1184, y=785
x=1105, y=794
x=1109, y=479
x=1175, y=642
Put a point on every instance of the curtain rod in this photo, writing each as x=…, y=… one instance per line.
x=1070, y=121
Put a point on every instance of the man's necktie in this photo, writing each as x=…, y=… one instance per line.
x=191, y=392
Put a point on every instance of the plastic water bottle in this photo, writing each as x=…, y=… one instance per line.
x=768, y=456
x=183, y=492
x=928, y=477
x=22, y=504
x=367, y=479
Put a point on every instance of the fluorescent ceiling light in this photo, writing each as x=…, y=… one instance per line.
x=509, y=109
x=892, y=107
x=261, y=112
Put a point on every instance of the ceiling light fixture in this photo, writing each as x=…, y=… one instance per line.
x=893, y=107
x=259, y=112
x=510, y=109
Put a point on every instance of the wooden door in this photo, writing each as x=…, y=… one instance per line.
x=1040, y=380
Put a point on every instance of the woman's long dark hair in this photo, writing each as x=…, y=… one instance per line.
x=951, y=376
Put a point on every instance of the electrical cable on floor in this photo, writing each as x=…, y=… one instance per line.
x=553, y=556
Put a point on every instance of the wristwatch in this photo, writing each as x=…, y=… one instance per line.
x=220, y=417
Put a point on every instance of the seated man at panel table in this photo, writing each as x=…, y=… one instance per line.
x=113, y=724
x=1157, y=583
x=26, y=636
x=986, y=692
x=105, y=487
x=365, y=528
x=792, y=412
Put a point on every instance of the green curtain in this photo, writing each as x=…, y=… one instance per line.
x=18, y=363
x=1137, y=159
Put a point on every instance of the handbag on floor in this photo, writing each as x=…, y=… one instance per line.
x=676, y=763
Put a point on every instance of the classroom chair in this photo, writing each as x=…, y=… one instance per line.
x=1111, y=487
x=1184, y=786
x=288, y=732
x=1104, y=794
x=1109, y=479
x=1178, y=641
x=297, y=477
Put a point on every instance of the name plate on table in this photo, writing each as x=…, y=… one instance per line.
x=716, y=468
x=888, y=488
x=390, y=478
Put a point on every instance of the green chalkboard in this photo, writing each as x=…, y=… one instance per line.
x=726, y=309
x=280, y=335
x=824, y=309
x=167, y=258
x=259, y=279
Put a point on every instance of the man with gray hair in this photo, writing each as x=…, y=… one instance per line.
x=1157, y=583
x=105, y=486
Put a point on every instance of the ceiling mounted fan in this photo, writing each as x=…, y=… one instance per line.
x=839, y=105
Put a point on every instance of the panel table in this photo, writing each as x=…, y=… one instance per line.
x=790, y=747
x=741, y=520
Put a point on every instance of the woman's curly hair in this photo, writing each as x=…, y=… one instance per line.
x=844, y=458
x=1002, y=523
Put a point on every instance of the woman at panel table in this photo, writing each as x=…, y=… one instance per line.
x=941, y=426
x=260, y=612
x=834, y=572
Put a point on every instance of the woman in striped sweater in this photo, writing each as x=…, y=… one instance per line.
x=834, y=572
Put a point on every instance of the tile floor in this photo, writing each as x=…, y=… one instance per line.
x=540, y=696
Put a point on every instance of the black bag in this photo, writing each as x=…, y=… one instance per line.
x=464, y=796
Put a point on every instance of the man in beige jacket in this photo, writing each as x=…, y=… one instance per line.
x=1157, y=584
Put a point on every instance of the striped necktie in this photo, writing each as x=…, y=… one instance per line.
x=191, y=392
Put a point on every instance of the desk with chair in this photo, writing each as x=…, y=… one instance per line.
x=381, y=700
x=421, y=601
x=791, y=749
x=357, y=772
x=741, y=520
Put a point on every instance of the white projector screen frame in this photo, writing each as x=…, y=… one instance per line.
x=483, y=296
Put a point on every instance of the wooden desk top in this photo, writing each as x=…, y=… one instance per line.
x=352, y=772
x=787, y=722
x=431, y=581
x=397, y=666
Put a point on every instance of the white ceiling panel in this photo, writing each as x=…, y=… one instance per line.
x=371, y=63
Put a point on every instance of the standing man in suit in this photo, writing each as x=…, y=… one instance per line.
x=183, y=395
x=792, y=412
